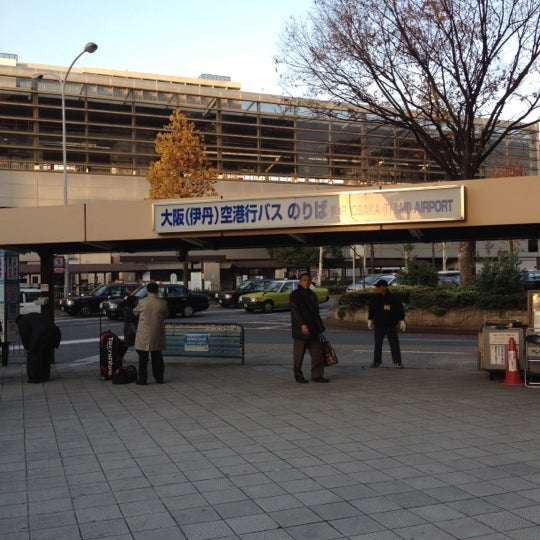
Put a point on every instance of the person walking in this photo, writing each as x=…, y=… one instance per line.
x=385, y=315
x=307, y=327
x=150, y=338
x=39, y=336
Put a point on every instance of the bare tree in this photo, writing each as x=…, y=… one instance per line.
x=183, y=169
x=460, y=75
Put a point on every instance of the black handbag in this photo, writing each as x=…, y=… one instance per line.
x=125, y=374
x=330, y=356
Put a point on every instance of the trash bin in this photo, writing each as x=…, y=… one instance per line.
x=493, y=341
x=531, y=365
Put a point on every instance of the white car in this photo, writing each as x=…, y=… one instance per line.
x=27, y=301
x=370, y=281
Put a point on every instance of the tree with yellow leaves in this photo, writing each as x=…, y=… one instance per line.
x=183, y=170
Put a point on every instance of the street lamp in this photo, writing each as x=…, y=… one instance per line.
x=88, y=48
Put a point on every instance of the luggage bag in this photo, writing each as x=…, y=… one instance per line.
x=111, y=353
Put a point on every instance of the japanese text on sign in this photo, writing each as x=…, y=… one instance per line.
x=196, y=342
x=362, y=207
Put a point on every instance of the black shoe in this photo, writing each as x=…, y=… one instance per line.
x=400, y=366
x=375, y=365
x=159, y=382
x=140, y=383
x=321, y=379
x=301, y=380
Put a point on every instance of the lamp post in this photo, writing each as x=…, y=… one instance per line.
x=88, y=48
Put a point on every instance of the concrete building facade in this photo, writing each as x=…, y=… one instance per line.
x=113, y=117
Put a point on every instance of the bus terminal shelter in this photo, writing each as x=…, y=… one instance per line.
x=486, y=209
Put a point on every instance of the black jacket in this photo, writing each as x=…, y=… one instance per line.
x=38, y=332
x=305, y=310
x=386, y=310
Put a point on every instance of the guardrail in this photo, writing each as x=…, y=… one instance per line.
x=208, y=339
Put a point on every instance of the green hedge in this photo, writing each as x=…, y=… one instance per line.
x=438, y=300
x=334, y=289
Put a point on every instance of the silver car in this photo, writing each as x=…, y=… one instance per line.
x=370, y=281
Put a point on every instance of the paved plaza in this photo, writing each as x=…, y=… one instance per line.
x=224, y=450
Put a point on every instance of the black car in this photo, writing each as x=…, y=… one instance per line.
x=230, y=298
x=180, y=299
x=88, y=304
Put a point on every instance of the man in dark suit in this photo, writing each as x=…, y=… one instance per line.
x=385, y=315
x=307, y=327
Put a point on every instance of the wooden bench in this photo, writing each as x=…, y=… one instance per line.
x=205, y=339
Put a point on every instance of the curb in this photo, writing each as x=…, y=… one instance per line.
x=334, y=324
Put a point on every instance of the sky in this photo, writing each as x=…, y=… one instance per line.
x=185, y=38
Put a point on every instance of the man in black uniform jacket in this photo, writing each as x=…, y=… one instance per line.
x=385, y=313
x=39, y=336
x=307, y=327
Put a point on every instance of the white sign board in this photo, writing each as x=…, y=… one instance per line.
x=196, y=341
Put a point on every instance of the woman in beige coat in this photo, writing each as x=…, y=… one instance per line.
x=150, y=338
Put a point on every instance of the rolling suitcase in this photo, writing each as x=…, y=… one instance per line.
x=111, y=353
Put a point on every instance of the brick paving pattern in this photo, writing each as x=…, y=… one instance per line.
x=224, y=451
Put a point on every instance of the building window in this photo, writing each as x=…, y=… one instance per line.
x=532, y=245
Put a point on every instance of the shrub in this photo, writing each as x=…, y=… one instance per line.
x=355, y=300
x=502, y=301
x=501, y=276
x=360, y=299
x=341, y=311
x=438, y=311
x=419, y=275
x=334, y=288
x=439, y=300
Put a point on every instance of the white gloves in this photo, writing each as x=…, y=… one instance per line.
x=370, y=324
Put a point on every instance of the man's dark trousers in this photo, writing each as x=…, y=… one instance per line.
x=393, y=341
x=158, y=366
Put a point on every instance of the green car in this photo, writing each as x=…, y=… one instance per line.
x=276, y=296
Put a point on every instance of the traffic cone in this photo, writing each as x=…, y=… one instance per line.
x=512, y=376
